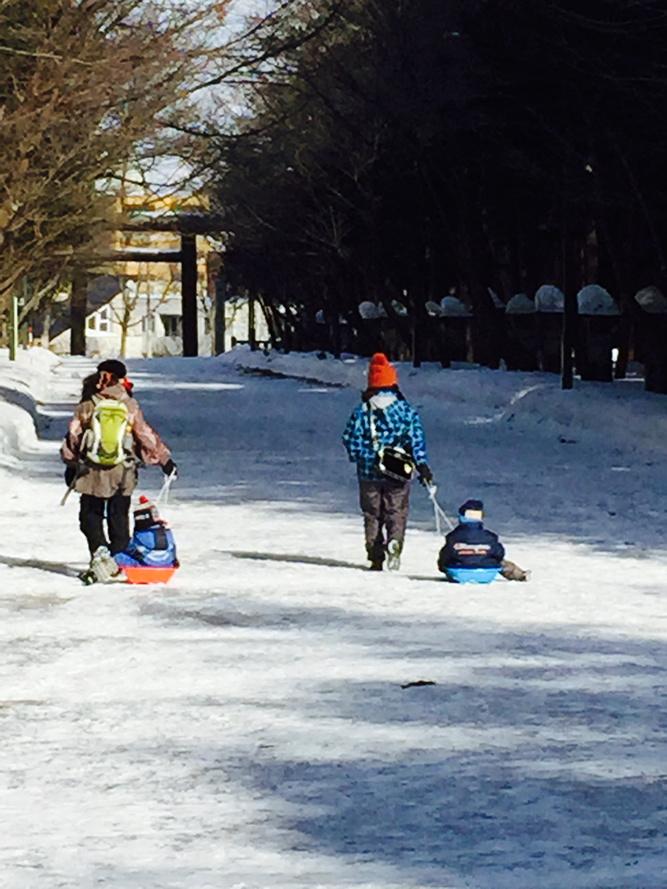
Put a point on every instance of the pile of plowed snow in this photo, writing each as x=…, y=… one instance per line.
x=23, y=384
x=620, y=413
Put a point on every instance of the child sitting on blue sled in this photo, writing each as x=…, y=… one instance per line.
x=472, y=554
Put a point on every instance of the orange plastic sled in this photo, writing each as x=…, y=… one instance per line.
x=142, y=574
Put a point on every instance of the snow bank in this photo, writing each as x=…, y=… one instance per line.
x=549, y=299
x=454, y=307
x=23, y=383
x=370, y=311
x=621, y=414
x=595, y=300
x=520, y=304
x=652, y=300
x=349, y=371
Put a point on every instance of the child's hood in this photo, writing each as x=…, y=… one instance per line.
x=382, y=400
x=115, y=392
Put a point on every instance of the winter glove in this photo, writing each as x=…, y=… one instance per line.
x=73, y=471
x=425, y=475
x=170, y=468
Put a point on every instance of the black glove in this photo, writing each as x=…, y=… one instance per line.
x=425, y=474
x=170, y=468
x=75, y=471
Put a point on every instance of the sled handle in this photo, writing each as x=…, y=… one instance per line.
x=163, y=496
x=438, y=511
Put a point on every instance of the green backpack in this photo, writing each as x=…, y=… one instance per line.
x=108, y=440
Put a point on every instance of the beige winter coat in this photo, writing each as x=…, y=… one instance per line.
x=106, y=481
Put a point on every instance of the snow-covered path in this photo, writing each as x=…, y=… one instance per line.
x=246, y=726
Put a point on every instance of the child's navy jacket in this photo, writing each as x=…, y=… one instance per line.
x=471, y=545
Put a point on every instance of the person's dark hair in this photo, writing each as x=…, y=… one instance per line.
x=367, y=394
x=89, y=387
x=114, y=367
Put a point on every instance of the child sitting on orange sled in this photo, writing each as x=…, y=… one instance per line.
x=150, y=556
x=473, y=554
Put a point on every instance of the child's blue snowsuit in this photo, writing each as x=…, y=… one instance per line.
x=152, y=547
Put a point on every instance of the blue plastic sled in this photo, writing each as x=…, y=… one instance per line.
x=472, y=575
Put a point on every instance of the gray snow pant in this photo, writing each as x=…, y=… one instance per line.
x=385, y=506
x=511, y=571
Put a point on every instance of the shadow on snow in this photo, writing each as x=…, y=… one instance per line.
x=545, y=767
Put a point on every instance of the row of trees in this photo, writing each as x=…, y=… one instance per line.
x=86, y=88
x=405, y=149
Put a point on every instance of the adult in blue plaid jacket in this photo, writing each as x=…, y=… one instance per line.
x=384, y=501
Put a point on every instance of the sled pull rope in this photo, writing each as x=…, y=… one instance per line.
x=438, y=511
x=72, y=484
x=163, y=496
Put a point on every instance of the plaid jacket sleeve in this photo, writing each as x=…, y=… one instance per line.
x=353, y=437
x=417, y=439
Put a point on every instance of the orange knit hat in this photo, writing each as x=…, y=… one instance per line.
x=381, y=373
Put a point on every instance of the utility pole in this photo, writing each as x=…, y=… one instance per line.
x=219, y=316
x=189, y=295
x=570, y=304
x=13, y=327
x=252, y=334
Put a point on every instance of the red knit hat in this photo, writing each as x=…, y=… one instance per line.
x=381, y=373
x=145, y=515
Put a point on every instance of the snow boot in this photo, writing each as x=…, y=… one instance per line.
x=511, y=571
x=376, y=565
x=103, y=568
x=394, y=548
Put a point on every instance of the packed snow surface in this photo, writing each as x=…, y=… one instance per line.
x=245, y=727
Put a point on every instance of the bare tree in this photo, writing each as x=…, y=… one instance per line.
x=145, y=286
x=82, y=85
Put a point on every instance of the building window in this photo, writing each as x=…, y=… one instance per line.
x=104, y=320
x=100, y=322
x=173, y=325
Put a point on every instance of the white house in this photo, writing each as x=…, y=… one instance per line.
x=145, y=320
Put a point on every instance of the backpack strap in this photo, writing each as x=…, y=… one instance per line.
x=371, y=422
x=160, y=537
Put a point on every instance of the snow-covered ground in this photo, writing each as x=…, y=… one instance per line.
x=245, y=727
